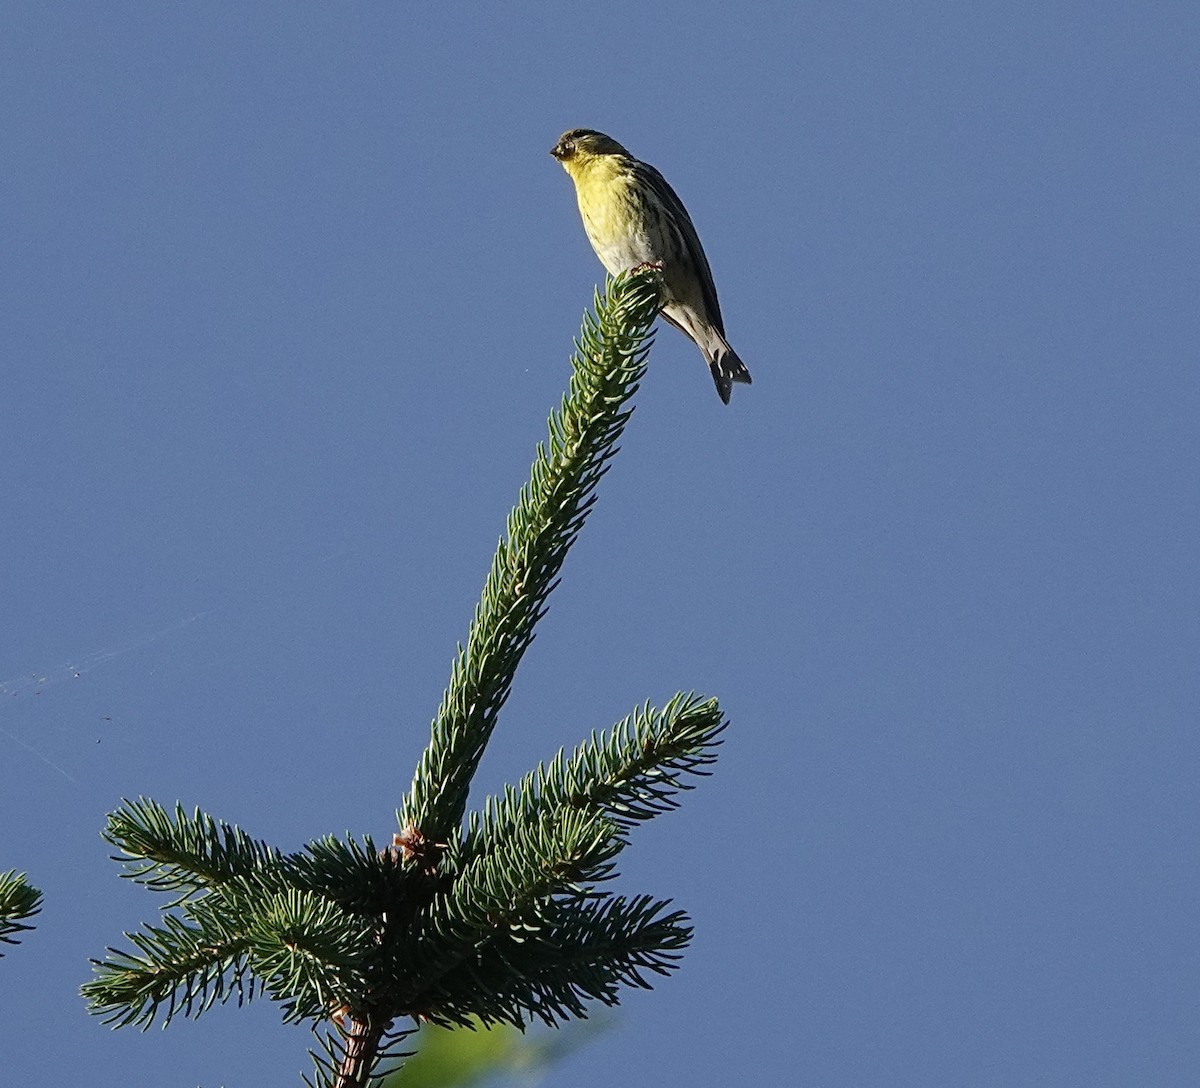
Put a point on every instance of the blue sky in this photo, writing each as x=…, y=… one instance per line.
x=287, y=292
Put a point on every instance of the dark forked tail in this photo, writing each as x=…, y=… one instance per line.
x=726, y=369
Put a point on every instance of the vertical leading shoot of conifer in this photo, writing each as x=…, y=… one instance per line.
x=500, y=915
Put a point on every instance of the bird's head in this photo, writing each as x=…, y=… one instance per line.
x=579, y=146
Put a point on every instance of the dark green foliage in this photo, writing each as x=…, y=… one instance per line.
x=502, y=916
x=19, y=900
x=549, y=966
x=178, y=968
x=609, y=361
x=177, y=852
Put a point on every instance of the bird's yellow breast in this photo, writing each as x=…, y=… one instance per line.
x=605, y=187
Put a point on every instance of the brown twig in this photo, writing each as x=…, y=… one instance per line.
x=363, y=1037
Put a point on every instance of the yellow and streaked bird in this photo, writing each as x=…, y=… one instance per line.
x=632, y=218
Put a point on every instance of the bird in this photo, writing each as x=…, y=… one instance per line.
x=633, y=219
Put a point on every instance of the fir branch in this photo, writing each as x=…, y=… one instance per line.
x=609, y=361
x=585, y=950
x=19, y=900
x=181, y=968
x=363, y=879
x=551, y=857
x=630, y=774
x=309, y=955
x=177, y=852
x=509, y=890
x=298, y=946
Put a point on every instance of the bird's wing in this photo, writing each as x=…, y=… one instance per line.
x=691, y=240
